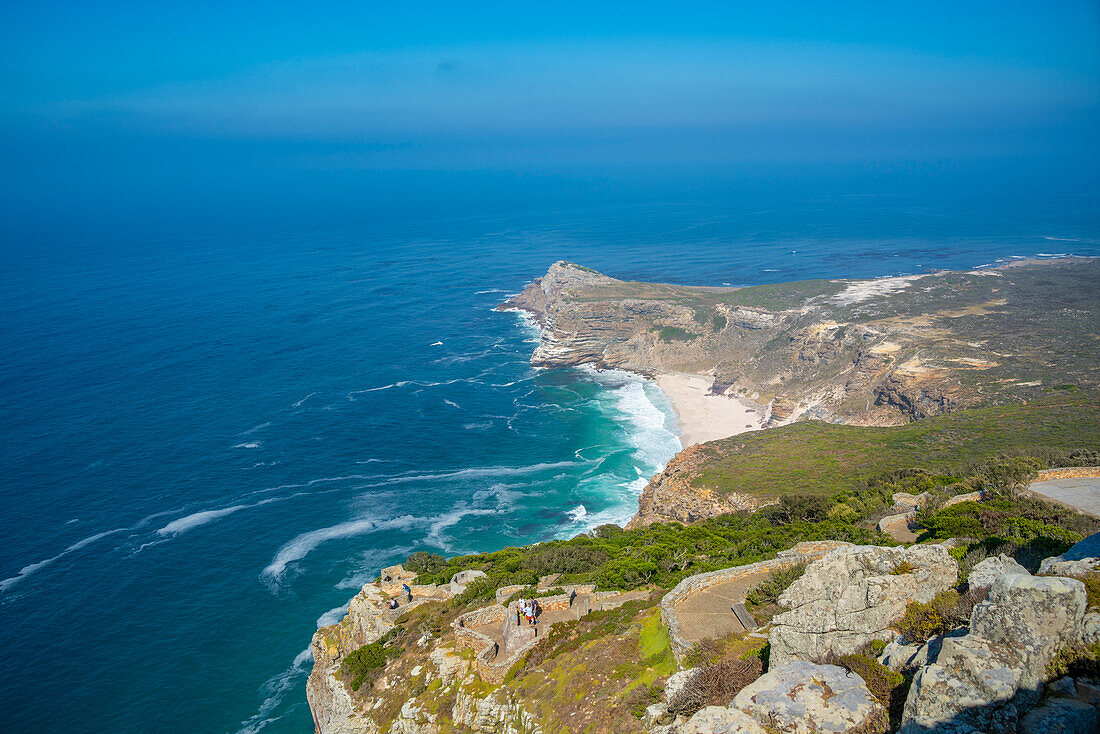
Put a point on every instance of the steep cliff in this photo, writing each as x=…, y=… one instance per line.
x=862, y=352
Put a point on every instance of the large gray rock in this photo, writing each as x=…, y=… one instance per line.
x=805, y=698
x=462, y=579
x=677, y=682
x=900, y=655
x=978, y=679
x=986, y=572
x=1080, y=559
x=1060, y=716
x=720, y=720
x=1031, y=615
x=853, y=595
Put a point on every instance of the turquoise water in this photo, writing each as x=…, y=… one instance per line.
x=215, y=430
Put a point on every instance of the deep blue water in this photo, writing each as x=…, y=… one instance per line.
x=215, y=429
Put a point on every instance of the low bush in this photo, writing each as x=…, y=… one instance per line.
x=768, y=590
x=363, y=664
x=1075, y=659
x=716, y=685
x=887, y=686
x=425, y=562
x=641, y=697
x=946, y=611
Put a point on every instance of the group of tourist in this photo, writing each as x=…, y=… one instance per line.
x=406, y=591
x=530, y=609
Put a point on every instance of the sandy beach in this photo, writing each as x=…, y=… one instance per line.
x=706, y=417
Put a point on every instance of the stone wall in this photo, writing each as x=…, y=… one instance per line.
x=1072, y=472
x=801, y=553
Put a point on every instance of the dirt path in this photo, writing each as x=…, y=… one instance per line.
x=900, y=531
x=708, y=614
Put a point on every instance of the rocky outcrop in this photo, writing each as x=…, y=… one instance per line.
x=1060, y=716
x=877, y=352
x=497, y=713
x=986, y=572
x=804, y=698
x=669, y=497
x=985, y=678
x=1081, y=559
x=795, y=698
x=852, y=596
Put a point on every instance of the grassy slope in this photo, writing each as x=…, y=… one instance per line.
x=823, y=458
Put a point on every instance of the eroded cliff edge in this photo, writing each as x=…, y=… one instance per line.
x=880, y=352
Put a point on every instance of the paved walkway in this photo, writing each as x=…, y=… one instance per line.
x=1081, y=493
x=900, y=531
x=708, y=614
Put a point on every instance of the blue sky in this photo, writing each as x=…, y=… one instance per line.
x=425, y=86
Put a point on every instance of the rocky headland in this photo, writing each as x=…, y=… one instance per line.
x=863, y=557
x=882, y=352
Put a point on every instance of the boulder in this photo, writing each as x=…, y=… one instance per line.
x=852, y=596
x=1060, y=716
x=1031, y=615
x=805, y=698
x=461, y=580
x=677, y=682
x=978, y=679
x=719, y=720
x=900, y=655
x=657, y=714
x=1080, y=559
x=986, y=572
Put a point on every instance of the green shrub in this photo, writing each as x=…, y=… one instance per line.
x=946, y=611
x=360, y=664
x=798, y=508
x=901, y=568
x=768, y=590
x=425, y=562
x=575, y=557
x=639, y=698
x=675, y=334
x=1076, y=660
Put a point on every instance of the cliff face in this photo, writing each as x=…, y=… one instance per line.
x=877, y=352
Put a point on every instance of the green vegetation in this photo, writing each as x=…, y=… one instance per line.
x=425, y=562
x=823, y=458
x=1076, y=660
x=889, y=687
x=675, y=334
x=768, y=590
x=946, y=611
x=366, y=662
x=656, y=554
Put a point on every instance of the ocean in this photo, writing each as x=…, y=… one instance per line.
x=215, y=428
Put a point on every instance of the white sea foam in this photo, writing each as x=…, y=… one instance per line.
x=436, y=344
x=275, y=690
x=490, y=290
x=452, y=403
x=307, y=397
x=33, y=568
x=332, y=616
x=578, y=513
x=304, y=544
x=485, y=471
x=249, y=445
x=1050, y=254
x=255, y=428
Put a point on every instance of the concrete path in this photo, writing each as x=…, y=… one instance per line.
x=1081, y=493
x=901, y=531
x=708, y=614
